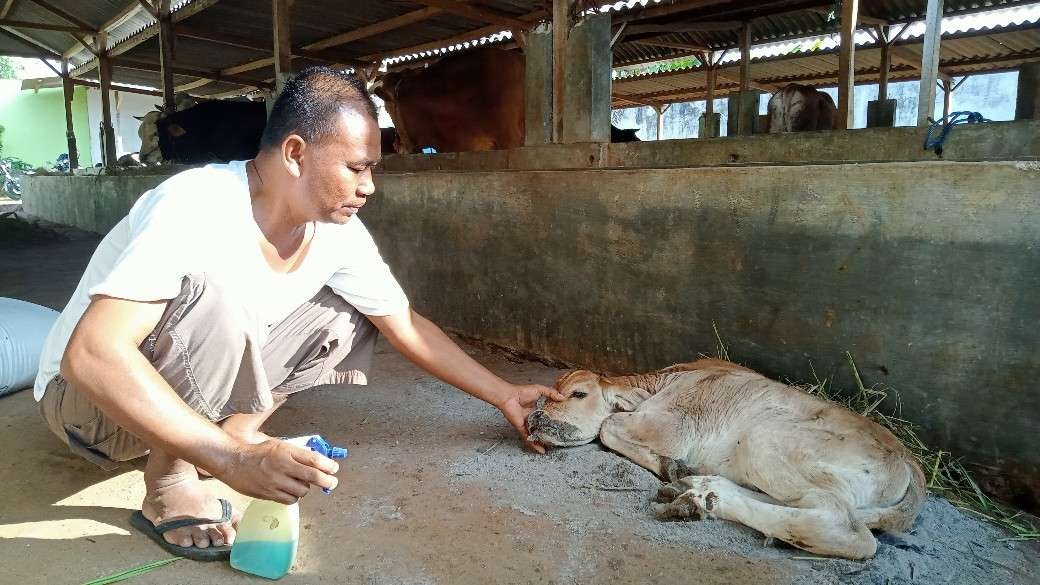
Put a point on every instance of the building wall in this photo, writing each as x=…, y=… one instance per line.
x=125, y=107
x=34, y=123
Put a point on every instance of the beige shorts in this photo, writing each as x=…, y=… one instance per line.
x=203, y=347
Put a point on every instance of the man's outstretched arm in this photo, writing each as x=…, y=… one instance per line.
x=430, y=348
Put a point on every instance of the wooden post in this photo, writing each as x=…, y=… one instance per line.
x=560, y=28
x=709, y=104
x=661, y=109
x=108, y=134
x=847, y=63
x=929, y=61
x=886, y=63
x=70, y=132
x=166, y=41
x=282, y=43
x=745, y=57
x=947, y=86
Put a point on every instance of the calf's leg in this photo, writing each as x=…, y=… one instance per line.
x=650, y=439
x=823, y=524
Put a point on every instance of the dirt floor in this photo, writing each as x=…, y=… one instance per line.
x=436, y=490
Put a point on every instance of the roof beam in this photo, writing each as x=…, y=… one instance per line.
x=150, y=8
x=476, y=13
x=668, y=45
x=146, y=65
x=62, y=14
x=45, y=26
x=527, y=19
x=39, y=49
x=121, y=17
x=8, y=4
x=376, y=28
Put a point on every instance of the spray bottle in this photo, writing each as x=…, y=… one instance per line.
x=269, y=532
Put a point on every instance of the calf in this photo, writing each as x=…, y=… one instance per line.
x=738, y=446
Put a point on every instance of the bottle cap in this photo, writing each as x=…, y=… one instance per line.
x=319, y=445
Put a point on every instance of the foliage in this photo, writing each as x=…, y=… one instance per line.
x=8, y=70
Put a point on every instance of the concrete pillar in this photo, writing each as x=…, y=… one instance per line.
x=586, y=91
x=881, y=113
x=709, y=125
x=1027, y=105
x=538, y=85
x=743, y=113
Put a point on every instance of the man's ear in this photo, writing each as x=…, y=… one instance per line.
x=292, y=154
x=626, y=399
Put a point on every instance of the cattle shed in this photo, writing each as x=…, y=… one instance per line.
x=855, y=256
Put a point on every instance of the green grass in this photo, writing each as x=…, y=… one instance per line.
x=131, y=573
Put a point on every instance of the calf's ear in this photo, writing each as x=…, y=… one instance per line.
x=627, y=399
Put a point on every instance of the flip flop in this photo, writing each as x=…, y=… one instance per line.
x=212, y=553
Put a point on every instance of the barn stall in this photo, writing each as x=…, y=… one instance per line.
x=796, y=254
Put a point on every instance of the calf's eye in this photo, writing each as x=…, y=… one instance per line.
x=579, y=394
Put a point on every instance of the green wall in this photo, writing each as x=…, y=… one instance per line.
x=34, y=123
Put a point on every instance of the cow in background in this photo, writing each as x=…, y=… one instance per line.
x=799, y=108
x=472, y=100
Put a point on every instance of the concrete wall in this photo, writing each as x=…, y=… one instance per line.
x=926, y=272
x=91, y=202
x=992, y=141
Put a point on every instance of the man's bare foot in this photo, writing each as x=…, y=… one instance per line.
x=173, y=491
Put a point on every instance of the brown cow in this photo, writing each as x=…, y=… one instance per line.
x=799, y=108
x=472, y=100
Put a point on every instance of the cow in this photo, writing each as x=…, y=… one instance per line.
x=473, y=100
x=735, y=445
x=623, y=134
x=799, y=108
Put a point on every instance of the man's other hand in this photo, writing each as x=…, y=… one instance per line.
x=278, y=471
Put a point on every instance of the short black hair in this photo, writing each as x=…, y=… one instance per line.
x=310, y=102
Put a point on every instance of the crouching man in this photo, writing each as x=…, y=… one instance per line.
x=225, y=290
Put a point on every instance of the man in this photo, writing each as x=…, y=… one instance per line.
x=225, y=290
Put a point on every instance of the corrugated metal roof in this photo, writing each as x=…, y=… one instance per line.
x=962, y=52
x=314, y=20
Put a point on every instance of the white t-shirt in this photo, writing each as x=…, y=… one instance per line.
x=201, y=221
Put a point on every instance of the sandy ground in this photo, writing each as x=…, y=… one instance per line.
x=436, y=491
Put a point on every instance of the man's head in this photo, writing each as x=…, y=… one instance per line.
x=322, y=140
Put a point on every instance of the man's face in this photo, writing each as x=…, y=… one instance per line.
x=336, y=173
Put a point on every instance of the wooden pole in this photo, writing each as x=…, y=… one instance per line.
x=166, y=41
x=947, y=85
x=282, y=43
x=561, y=27
x=745, y=57
x=886, y=64
x=847, y=63
x=108, y=134
x=70, y=132
x=709, y=104
x=929, y=61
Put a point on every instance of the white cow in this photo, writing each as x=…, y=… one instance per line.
x=738, y=446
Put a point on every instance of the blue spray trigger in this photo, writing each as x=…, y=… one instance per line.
x=319, y=445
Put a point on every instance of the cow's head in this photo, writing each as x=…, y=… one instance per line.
x=589, y=400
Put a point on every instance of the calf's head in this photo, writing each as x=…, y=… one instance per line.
x=590, y=399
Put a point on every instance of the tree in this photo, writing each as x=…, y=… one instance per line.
x=8, y=69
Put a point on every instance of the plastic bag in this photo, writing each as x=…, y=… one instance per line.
x=23, y=328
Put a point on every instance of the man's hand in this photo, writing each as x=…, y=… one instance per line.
x=278, y=471
x=521, y=403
